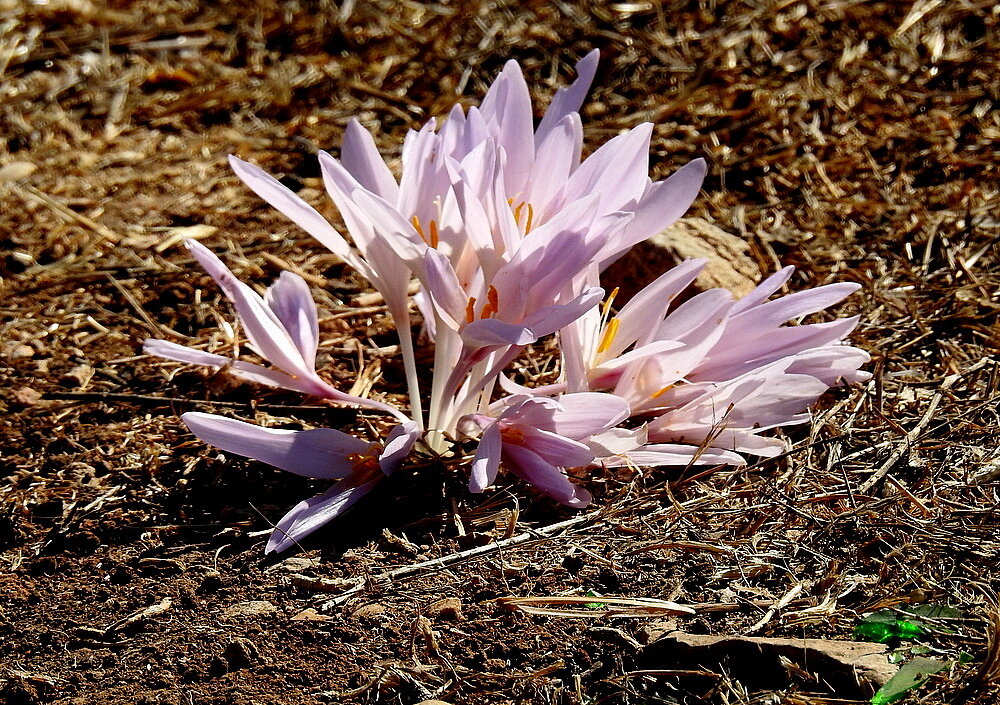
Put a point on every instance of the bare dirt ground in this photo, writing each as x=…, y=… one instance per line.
x=853, y=139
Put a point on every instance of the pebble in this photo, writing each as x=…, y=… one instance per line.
x=249, y=609
x=78, y=377
x=448, y=608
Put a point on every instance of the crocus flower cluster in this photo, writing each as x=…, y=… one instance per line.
x=507, y=229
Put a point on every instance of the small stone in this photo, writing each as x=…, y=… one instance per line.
x=26, y=396
x=310, y=615
x=210, y=583
x=78, y=377
x=250, y=609
x=433, y=702
x=241, y=653
x=369, y=612
x=448, y=608
x=292, y=565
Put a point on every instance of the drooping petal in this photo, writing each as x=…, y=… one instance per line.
x=309, y=515
x=317, y=453
x=548, y=478
x=182, y=353
x=555, y=448
x=486, y=461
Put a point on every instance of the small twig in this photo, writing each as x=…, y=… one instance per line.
x=450, y=559
x=918, y=430
x=96, y=397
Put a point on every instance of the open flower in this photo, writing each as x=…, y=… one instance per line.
x=321, y=453
x=281, y=326
x=537, y=438
x=712, y=373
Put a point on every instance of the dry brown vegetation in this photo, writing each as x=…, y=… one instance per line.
x=852, y=139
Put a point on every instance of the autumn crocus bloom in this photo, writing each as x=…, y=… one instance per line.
x=282, y=327
x=482, y=202
x=321, y=453
x=537, y=438
x=711, y=373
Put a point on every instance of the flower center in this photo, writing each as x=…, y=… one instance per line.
x=510, y=434
x=366, y=463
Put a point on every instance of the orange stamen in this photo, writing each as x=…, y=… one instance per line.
x=517, y=212
x=492, y=303
x=435, y=238
x=416, y=226
x=531, y=217
x=610, y=331
x=512, y=435
x=470, y=310
x=661, y=392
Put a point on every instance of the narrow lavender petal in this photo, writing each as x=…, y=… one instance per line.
x=360, y=156
x=618, y=170
x=664, y=202
x=489, y=331
x=398, y=445
x=586, y=413
x=557, y=156
x=486, y=461
x=507, y=107
x=226, y=280
x=317, y=453
x=675, y=455
x=549, y=319
x=801, y=303
x=764, y=290
x=311, y=384
x=441, y=284
x=641, y=316
x=294, y=208
x=555, y=448
x=182, y=353
x=290, y=300
x=266, y=333
x=544, y=476
x=569, y=99
x=311, y=514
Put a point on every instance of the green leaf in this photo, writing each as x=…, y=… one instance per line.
x=593, y=605
x=911, y=675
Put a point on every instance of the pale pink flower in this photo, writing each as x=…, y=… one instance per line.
x=537, y=438
x=281, y=326
x=321, y=453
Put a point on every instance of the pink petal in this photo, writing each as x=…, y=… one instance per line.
x=309, y=515
x=487, y=460
x=543, y=475
x=568, y=99
x=360, y=156
x=318, y=453
x=182, y=353
x=290, y=300
x=294, y=208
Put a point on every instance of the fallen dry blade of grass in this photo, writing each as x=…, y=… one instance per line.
x=596, y=606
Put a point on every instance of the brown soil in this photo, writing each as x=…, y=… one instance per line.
x=850, y=139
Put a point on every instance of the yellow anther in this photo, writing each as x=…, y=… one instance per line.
x=531, y=217
x=435, y=238
x=416, y=226
x=607, y=303
x=660, y=393
x=517, y=212
x=512, y=435
x=492, y=303
x=610, y=331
